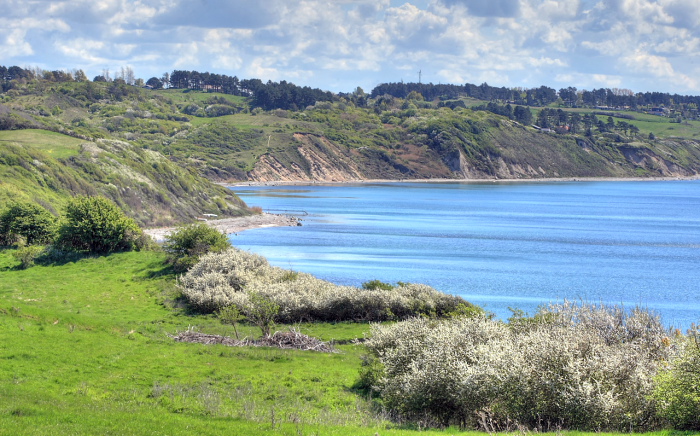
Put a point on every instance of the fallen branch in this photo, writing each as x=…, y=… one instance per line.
x=291, y=339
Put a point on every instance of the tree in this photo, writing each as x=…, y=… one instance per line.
x=522, y=115
x=97, y=225
x=262, y=312
x=80, y=76
x=154, y=83
x=186, y=244
x=677, y=389
x=166, y=80
x=26, y=220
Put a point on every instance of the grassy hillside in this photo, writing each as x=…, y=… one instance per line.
x=47, y=167
x=219, y=136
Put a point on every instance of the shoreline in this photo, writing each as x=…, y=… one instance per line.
x=233, y=184
x=234, y=225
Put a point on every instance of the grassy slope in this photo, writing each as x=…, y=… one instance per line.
x=48, y=168
x=84, y=350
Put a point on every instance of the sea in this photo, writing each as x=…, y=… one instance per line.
x=503, y=246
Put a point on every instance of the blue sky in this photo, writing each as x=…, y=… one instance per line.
x=642, y=45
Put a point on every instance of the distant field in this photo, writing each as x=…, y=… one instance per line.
x=190, y=96
x=54, y=144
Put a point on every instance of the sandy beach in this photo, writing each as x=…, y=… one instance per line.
x=234, y=225
x=234, y=184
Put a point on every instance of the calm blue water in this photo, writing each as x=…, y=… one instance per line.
x=498, y=245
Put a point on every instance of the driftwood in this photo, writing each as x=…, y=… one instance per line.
x=291, y=339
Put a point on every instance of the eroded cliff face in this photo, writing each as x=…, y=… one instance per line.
x=511, y=155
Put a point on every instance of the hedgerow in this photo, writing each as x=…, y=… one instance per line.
x=571, y=366
x=231, y=277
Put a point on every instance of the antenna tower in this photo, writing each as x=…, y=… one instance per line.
x=420, y=72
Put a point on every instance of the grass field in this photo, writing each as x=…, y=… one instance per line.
x=85, y=350
x=54, y=144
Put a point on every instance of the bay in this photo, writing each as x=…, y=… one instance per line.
x=499, y=245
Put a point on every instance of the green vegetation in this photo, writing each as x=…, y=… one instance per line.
x=354, y=136
x=678, y=387
x=149, y=187
x=85, y=351
x=186, y=244
x=26, y=223
x=96, y=225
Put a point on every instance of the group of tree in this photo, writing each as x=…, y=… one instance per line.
x=284, y=95
x=521, y=114
x=543, y=95
x=572, y=122
x=93, y=225
x=96, y=225
x=268, y=96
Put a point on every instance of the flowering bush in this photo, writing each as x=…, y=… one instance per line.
x=571, y=366
x=231, y=277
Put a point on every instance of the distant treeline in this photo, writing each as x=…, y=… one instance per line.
x=542, y=96
x=268, y=96
x=286, y=95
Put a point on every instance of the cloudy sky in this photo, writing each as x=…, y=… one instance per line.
x=642, y=45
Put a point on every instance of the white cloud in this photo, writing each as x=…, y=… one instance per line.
x=658, y=67
x=14, y=45
x=638, y=44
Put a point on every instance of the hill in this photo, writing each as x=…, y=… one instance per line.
x=47, y=168
x=225, y=138
x=48, y=155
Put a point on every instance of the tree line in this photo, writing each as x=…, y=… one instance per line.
x=266, y=95
x=541, y=96
x=285, y=95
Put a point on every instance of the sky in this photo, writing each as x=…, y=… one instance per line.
x=641, y=45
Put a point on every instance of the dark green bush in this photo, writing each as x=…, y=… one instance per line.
x=377, y=284
x=97, y=225
x=26, y=221
x=186, y=244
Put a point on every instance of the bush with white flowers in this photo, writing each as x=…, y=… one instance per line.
x=571, y=366
x=228, y=278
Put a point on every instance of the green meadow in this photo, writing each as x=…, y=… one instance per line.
x=86, y=349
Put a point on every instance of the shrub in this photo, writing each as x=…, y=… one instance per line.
x=27, y=255
x=232, y=316
x=187, y=243
x=677, y=390
x=231, y=277
x=97, y=225
x=26, y=221
x=377, y=284
x=577, y=366
x=262, y=312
